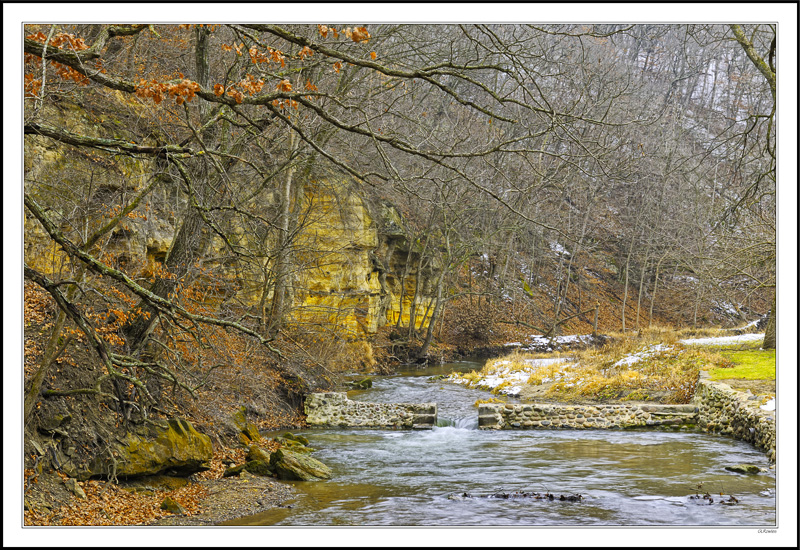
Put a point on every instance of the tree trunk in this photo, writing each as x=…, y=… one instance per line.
x=54, y=347
x=281, y=296
x=419, y=286
x=769, y=337
x=625, y=297
x=641, y=286
x=423, y=352
x=188, y=243
x=186, y=247
x=655, y=288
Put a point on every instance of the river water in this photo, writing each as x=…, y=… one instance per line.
x=419, y=478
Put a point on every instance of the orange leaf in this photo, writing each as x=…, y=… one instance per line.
x=284, y=86
x=373, y=55
x=360, y=35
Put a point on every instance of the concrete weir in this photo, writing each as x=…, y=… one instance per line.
x=336, y=410
x=716, y=409
x=537, y=415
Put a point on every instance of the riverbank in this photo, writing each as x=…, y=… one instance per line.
x=205, y=499
x=232, y=498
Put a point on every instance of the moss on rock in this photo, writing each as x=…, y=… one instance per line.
x=259, y=468
x=291, y=465
x=177, y=448
x=248, y=431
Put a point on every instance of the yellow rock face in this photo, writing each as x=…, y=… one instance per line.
x=341, y=285
x=342, y=276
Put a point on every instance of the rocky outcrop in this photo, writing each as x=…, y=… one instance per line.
x=360, y=253
x=350, y=251
x=247, y=431
x=176, y=448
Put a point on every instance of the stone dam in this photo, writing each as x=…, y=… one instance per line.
x=716, y=408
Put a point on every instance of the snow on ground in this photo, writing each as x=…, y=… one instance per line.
x=723, y=340
x=516, y=377
x=540, y=343
x=769, y=405
x=751, y=324
x=639, y=355
x=501, y=373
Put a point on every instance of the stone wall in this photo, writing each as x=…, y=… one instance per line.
x=336, y=410
x=727, y=411
x=717, y=408
x=538, y=415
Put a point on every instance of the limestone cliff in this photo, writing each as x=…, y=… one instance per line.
x=356, y=255
x=349, y=255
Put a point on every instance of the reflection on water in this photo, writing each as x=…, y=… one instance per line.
x=625, y=478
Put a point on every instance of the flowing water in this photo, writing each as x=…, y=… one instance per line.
x=419, y=478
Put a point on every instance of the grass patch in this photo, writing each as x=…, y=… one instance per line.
x=480, y=402
x=646, y=366
x=752, y=364
x=649, y=365
x=665, y=373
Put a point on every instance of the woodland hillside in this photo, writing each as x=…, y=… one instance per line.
x=227, y=216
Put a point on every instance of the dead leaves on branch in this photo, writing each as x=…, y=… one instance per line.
x=183, y=90
x=358, y=34
x=33, y=84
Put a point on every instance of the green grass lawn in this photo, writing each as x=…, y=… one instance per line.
x=752, y=364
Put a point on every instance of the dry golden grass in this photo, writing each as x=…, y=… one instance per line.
x=665, y=371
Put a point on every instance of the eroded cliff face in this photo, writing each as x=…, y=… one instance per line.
x=351, y=265
x=348, y=261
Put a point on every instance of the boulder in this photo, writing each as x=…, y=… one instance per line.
x=257, y=453
x=248, y=432
x=364, y=384
x=171, y=506
x=744, y=468
x=176, y=448
x=259, y=468
x=74, y=488
x=291, y=465
x=294, y=444
x=233, y=471
x=292, y=437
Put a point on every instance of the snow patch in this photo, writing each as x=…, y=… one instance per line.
x=723, y=340
x=639, y=355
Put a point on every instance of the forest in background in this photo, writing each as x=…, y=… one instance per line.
x=526, y=164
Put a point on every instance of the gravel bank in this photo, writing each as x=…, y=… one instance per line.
x=235, y=497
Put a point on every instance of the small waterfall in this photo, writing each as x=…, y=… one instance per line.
x=463, y=423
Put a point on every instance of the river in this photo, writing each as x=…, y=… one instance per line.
x=456, y=475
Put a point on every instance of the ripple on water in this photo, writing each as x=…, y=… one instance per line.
x=625, y=477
